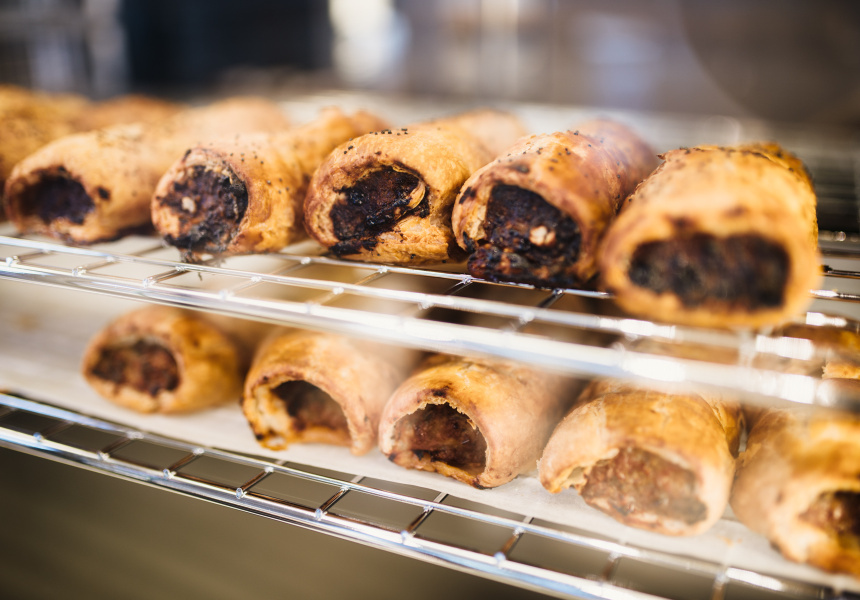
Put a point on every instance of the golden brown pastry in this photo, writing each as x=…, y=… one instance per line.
x=32, y=119
x=482, y=422
x=798, y=484
x=651, y=460
x=127, y=108
x=839, y=345
x=537, y=213
x=313, y=387
x=98, y=185
x=716, y=237
x=164, y=359
x=244, y=193
x=387, y=196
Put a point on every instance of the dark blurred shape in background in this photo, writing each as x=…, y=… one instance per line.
x=193, y=42
x=785, y=60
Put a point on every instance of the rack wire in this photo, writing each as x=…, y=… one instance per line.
x=520, y=550
x=576, y=332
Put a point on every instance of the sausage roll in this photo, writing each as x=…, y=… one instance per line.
x=648, y=459
x=307, y=386
x=387, y=196
x=482, y=422
x=798, y=484
x=244, y=194
x=30, y=120
x=164, y=359
x=98, y=185
x=536, y=214
x=716, y=237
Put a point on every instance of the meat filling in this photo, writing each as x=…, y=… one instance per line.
x=738, y=272
x=527, y=241
x=838, y=514
x=210, y=205
x=636, y=482
x=56, y=197
x=374, y=204
x=445, y=435
x=146, y=366
x=310, y=407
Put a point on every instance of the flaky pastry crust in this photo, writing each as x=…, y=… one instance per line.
x=355, y=375
x=715, y=200
x=585, y=174
x=793, y=461
x=693, y=437
x=509, y=408
x=207, y=362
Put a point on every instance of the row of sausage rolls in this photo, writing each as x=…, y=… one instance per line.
x=244, y=194
x=715, y=236
x=387, y=196
x=32, y=119
x=479, y=421
x=225, y=177
x=302, y=386
x=231, y=177
x=97, y=185
x=664, y=462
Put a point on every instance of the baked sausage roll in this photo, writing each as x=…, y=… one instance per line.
x=244, y=194
x=798, y=484
x=482, y=422
x=716, y=237
x=164, y=359
x=648, y=459
x=387, y=196
x=31, y=120
x=312, y=387
x=536, y=214
x=98, y=185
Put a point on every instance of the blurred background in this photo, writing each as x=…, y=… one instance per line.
x=782, y=60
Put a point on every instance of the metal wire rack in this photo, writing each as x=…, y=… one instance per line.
x=568, y=330
x=421, y=523
x=572, y=331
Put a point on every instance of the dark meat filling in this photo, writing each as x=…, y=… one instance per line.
x=309, y=406
x=739, y=271
x=372, y=205
x=838, y=514
x=145, y=366
x=56, y=197
x=636, y=482
x=447, y=436
x=210, y=205
x=527, y=241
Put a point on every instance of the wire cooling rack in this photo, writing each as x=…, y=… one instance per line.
x=575, y=332
x=516, y=549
